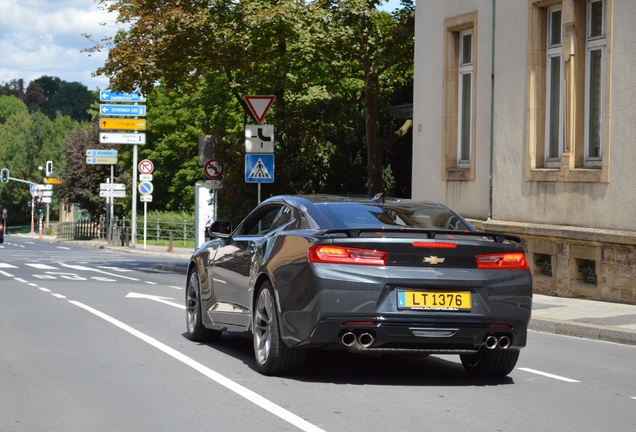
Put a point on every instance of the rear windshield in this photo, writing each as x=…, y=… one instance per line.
x=362, y=215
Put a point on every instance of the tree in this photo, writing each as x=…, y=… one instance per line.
x=12, y=88
x=374, y=57
x=80, y=184
x=34, y=96
x=10, y=105
x=49, y=85
x=27, y=142
x=289, y=48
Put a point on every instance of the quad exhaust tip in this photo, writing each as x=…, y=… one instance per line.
x=358, y=340
x=502, y=342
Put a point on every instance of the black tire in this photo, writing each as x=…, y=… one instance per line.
x=273, y=357
x=197, y=332
x=490, y=363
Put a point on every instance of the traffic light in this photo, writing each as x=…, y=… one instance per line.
x=5, y=175
x=39, y=207
x=49, y=168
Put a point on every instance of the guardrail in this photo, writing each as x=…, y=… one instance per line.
x=178, y=232
x=19, y=229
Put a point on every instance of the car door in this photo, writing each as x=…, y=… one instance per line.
x=232, y=265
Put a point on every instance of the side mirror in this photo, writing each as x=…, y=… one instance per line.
x=221, y=226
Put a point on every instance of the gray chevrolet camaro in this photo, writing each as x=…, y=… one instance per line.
x=366, y=275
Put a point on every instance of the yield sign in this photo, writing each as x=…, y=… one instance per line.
x=259, y=105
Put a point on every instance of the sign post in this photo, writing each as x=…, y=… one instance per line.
x=259, y=143
x=146, y=167
x=134, y=124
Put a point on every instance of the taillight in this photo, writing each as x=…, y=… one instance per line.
x=346, y=255
x=438, y=245
x=507, y=261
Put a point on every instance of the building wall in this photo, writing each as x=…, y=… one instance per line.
x=560, y=212
x=469, y=197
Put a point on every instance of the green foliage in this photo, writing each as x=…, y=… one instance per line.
x=10, y=105
x=27, y=141
x=81, y=181
x=334, y=68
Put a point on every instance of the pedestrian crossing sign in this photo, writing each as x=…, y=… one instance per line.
x=259, y=168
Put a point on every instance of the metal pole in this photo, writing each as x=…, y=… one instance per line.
x=145, y=209
x=32, y=212
x=112, y=201
x=134, y=197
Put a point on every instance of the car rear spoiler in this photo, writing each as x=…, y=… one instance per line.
x=429, y=232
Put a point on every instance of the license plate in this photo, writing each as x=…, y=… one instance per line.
x=434, y=300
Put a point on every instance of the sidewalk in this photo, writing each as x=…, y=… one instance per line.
x=611, y=322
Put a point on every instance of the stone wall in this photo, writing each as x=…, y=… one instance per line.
x=576, y=262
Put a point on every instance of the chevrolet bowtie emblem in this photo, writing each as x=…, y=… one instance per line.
x=434, y=260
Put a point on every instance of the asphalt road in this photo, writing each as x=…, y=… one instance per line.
x=93, y=340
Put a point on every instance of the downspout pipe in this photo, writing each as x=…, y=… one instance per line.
x=492, y=109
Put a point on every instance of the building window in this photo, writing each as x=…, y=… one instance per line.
x=554, y=90
x=460, y=74
x=465, y=98
x=568, y=93
x=594, y=83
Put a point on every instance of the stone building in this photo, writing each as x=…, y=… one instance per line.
x=525, y=121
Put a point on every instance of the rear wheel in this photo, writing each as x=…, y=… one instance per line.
x=273, y=357
x=196, y=330
x=490, y=363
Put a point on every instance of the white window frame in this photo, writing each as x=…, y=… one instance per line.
x=465, y=69
x=594, y=43
x=554, y=52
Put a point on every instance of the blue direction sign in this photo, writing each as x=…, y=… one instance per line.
x=108, y=96
x=101, y=153
x=259, y=168
x=123, y=110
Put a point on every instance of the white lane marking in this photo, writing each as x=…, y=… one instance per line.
x=6, y=274
x=19, y=280
x=76, y=267
x=150, y=282
x=103, y=279
x=549, y=375
x=64, y=247
x=5, y=265
x=69, y=276
x=244, y=392
x=44, y=289
x=59, y=296
x=175, y=287
x=159, y=299
x=41, y=266
x=119, y=269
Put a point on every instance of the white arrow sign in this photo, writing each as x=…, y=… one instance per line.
x=159, y=299
x=122, y=138
x=112, y=186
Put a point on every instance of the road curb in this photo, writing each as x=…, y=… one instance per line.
x=583, y=330
x=176, y=268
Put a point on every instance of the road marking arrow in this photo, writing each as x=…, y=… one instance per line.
x=158, y=299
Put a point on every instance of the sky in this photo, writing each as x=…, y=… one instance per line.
x=44, y=37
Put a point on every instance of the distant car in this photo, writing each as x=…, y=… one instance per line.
x=369, y=276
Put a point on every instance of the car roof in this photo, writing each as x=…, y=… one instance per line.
x=317, y=199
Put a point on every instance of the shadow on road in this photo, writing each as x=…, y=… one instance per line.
x=341, y=367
